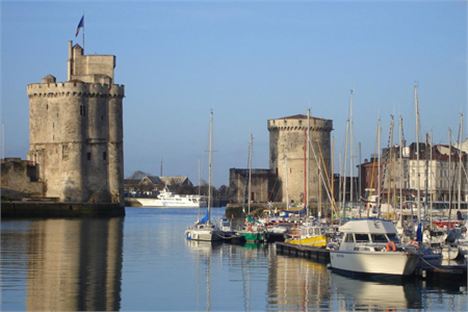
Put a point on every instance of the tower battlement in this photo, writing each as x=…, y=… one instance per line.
x=75, y=88
x=300, y=123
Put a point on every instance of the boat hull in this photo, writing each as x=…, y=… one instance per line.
x=254, y=237
x=386, y=263
x=313, y=241
x=206, y=235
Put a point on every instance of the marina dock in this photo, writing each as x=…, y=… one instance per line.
x=321, y=255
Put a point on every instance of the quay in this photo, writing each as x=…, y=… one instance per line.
x=317, y=254
x=45, y=209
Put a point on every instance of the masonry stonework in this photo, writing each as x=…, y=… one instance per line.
x=288, y=142
x=76, y=131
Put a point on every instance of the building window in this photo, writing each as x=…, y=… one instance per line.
x=88, y=155
x=104, y=155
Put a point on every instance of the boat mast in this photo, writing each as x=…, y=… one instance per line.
x=199, y=177
x=426, y=174
x=332, y=176
x=306, y=199
x=379, y=156
x=286, y=175
x=434, y=184
x=460, y=137
x=210, y=151
x=351, y=160
x=450, y=172
x=250, y=174
x=359, y=179
x=418, y=175
x=344, y=168
x=401, y=169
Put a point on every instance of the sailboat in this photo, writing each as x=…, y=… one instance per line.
x=254, y=231
x=203, y=229
x=308, y=233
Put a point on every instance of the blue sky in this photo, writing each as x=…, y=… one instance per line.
x=249, y=62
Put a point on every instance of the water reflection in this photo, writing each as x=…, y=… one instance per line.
x=73, y=264
x=298, y=284
x=388, y=294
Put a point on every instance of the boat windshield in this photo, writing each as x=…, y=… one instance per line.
x=361, y=238
x=393, y=237
x=349, y=238
x=379, y=238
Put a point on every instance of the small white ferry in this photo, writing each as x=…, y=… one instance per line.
x=167, y=199
x=373, y=246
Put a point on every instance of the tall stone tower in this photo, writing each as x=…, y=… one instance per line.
x=76, y=131
x=288, y=142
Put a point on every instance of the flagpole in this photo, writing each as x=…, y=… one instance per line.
x=83, y=36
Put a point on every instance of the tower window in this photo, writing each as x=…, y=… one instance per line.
x=104, y=155
x=88, y=155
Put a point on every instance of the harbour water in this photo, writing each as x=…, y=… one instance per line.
x=143, y=262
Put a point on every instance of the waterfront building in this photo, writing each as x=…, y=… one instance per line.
x=432, y=170
x=76, y=131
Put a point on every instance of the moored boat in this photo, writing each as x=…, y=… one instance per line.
x=203, y=229
x=308, y=234
x=372, y=246
x=167, y=199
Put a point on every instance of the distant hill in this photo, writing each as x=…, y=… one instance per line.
x=138, y=175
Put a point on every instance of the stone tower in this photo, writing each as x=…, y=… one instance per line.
x=76, y=132
x=288, y=142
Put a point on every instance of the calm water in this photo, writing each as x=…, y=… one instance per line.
x=143, y=262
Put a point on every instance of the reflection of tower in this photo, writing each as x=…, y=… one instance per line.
x=288, y=141
x=76, y=130
x=298, y=284
x=77, y=265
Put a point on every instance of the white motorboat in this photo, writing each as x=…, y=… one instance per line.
x=167, y=199
x=373, y=246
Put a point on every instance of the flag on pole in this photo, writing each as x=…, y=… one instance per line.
x=80, y=25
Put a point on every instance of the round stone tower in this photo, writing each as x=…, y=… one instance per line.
x=288, y=157
x=76, y=131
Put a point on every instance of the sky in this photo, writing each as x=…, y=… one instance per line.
x=248, y=62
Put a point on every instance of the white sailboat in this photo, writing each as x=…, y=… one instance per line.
x=203, y=229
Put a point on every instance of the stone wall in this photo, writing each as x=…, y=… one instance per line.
x=20, y=179
x=261, y=189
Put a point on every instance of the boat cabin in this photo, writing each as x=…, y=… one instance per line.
x=358, y=234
